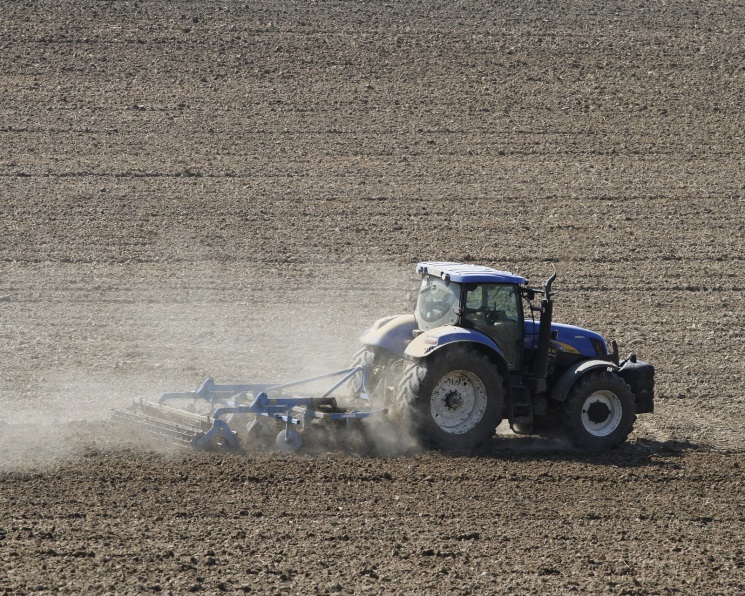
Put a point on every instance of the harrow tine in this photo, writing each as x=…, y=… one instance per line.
x=178, y=434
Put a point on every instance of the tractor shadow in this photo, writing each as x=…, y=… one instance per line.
x=636, y=453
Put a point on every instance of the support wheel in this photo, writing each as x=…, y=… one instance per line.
x=454, y=398
x=288, y=440
x=599, y=412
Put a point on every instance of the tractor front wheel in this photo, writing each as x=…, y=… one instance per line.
x=599, y=412
x=454, y=398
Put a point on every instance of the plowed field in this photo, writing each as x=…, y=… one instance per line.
x=238, y=189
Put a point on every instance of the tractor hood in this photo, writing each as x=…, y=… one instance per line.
x=569, y=339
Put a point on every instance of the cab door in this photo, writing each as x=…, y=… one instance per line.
x=495, y=310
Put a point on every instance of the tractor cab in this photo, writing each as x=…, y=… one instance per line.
x=473, y=297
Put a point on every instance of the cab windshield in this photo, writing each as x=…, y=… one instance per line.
x=436, y=303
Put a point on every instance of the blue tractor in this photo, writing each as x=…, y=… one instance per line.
x=473, y=354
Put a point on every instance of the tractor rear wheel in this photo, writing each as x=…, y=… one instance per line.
x=382, y=368
x=371, y=357
x=599, y=412
x=453, y=399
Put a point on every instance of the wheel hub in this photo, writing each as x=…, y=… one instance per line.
x=598, y=412
x=453, y=401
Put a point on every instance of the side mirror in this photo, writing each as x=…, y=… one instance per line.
x=530, y=294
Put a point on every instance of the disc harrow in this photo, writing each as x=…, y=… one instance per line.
x=230, y=405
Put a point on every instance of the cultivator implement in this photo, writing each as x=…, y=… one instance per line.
x=239, y=414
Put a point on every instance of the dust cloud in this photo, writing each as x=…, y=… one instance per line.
x=88, y=340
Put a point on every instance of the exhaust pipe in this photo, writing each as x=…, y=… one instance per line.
x=540, y=365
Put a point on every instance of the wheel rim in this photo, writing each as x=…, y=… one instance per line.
x=458, y=402
x=601, y=413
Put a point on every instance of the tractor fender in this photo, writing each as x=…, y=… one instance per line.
x=431, y=341
x=391, y=333
x=571, y=375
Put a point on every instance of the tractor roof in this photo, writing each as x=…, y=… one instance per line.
x=461, y=273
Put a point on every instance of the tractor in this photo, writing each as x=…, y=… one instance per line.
x=473, y=354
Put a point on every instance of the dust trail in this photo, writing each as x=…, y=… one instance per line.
x=113, y=336
x=392, y=437
x=86, y=339
x=68, y=420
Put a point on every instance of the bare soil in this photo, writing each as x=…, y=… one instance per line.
x=239, y=189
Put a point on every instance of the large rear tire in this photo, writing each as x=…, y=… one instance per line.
x=599, y=412
x=365, y=355
x=453, y=399
x=382, y=369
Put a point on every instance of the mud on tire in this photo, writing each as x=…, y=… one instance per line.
x=599, y=412
x=452, y=400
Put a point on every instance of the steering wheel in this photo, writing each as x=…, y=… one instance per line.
x=495, y=316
